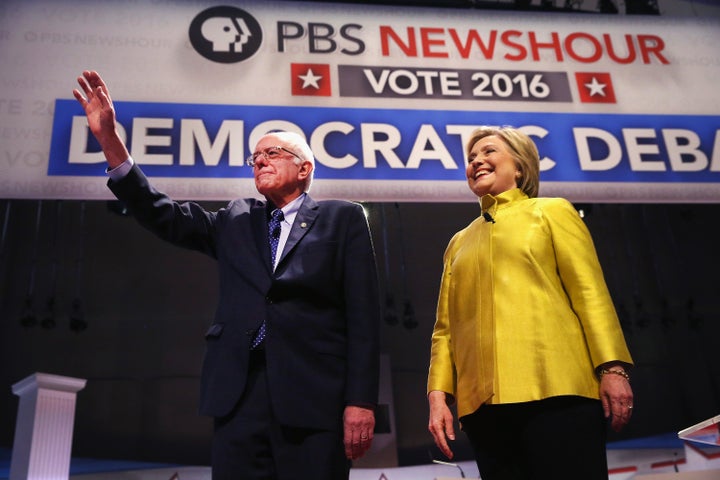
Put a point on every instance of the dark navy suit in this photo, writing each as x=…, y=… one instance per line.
x=321, y=304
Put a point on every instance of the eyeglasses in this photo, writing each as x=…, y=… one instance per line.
x=271, y=154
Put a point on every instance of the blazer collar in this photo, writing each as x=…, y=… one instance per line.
x=491, y=204
x=301, y=226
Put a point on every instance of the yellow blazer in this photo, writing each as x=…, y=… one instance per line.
x=523, y=311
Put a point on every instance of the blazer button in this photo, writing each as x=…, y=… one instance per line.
x=268, y=299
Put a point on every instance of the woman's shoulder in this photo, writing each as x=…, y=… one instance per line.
x=550, y=202
x=554, y=209
x=553, y=204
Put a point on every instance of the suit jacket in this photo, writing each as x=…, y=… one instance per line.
x=321, y=304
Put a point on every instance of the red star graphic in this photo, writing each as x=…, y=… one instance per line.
x=595, y=87
x=310, y=79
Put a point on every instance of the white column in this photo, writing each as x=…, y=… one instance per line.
x=44, y=427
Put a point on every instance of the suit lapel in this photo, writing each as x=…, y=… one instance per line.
x=258, y=217
x=301, y=226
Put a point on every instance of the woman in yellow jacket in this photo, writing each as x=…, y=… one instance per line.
x=526, y=340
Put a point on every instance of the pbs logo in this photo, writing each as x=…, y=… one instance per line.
x=225, y=34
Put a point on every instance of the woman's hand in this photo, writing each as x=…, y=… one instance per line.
x=616, y=396
x=441, y=421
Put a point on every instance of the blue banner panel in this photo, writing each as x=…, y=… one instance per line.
x=211, y=141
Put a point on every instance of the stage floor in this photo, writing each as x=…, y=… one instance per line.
x=626, y=459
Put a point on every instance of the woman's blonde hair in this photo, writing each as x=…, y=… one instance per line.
x=524, y=151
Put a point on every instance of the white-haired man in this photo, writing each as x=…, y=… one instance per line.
x=290, y=374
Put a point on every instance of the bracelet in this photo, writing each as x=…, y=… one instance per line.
x=622, y=373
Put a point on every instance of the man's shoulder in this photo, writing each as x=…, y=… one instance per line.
x=240, y=206
x=337, y=204
x=245, y=203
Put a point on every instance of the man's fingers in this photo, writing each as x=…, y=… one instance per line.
x=79, y=97
x=84, y=85
x=357, y=444
x=355, y=450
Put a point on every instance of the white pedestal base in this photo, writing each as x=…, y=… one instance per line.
x=44, y=427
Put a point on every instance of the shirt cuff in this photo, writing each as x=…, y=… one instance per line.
x=119, y=172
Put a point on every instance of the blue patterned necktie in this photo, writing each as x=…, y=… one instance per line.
x=274, y=232
x=274, y=238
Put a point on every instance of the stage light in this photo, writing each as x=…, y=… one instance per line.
x=48, y=320
x=77, y=318
x=391, y=317
x=27, y=317
x=409, y=321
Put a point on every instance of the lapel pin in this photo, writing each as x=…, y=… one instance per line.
x=303, y=225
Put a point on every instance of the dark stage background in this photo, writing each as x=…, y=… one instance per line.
x=147, y=304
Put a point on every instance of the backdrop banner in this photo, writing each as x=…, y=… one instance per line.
x=623, y=108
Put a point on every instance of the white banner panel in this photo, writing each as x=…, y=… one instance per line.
x=623, y=108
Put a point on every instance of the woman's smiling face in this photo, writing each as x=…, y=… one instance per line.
x=491, y=167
